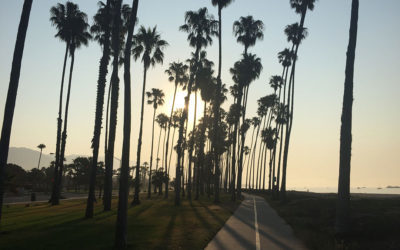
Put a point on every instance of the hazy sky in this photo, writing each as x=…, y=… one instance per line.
x=314, y=149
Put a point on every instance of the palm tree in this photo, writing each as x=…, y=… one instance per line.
x=149, y=45
x=104, y=39
x=301, y=7
x=41, y=147
x=61, y=17
x=162, y=121
x=220, y=4
x=200, y=26
x=255, y=122
x=342, y=223
x=12, y=93
x=243, y=73
x=203, y=71
x=248, y=31
x=155, y=98
x=103, y=23
x=122, y=220
x=72, y=25
x=177, y=73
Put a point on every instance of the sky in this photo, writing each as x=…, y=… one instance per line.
x=314, y=148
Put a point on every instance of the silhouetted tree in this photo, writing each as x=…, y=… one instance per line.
x=12, y=93
x=301, y=7
x=121, y=233
x=342, y=223
x=41, y=147
x=155, y=98
x=177, y=73
x=101, y=84
x=72, y=26
x=200, y=26
x=220, y=5
x=148, y=44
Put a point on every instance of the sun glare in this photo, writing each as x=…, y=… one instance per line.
x=180, y=104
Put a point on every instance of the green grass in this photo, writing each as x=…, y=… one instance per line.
x=375, y=220
x=154, y=224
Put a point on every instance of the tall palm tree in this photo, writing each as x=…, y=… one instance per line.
x=177, y=73
x=149, y=45
x=77, y=28
x=12, y=93
x=255, y=122
x=122, y=220
x=162, y=121
x=102, y=24
x=301, y=7
x=175, y=124
x=61, y=16
x=200, y=26
x=155, y=98
x=342, y=223
x=104, y=39
x=203, y=67
x=41, y=147
x=220, y=4
x=248, y=31
x=206, y=83
x=243, y=73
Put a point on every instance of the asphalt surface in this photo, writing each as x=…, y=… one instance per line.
x=255, y=225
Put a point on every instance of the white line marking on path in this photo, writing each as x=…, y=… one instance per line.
x=256, y=226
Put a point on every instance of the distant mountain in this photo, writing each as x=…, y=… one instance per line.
x=28, y=158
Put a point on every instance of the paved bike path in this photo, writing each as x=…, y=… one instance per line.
x=255, y=225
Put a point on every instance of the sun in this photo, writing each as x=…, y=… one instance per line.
x=180, y=104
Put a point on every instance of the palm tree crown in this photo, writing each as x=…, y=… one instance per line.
x=177, y=72
x=155, y=97
x=200, y=26
x=148, y=43
x=221, y=3
x=276, y=82
x=246, y=70
x=71, y=23
x=301, y=5
x=295, y=34
x=248, y=31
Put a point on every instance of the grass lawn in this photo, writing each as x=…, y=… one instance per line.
x=154, y=224
x=375, y=220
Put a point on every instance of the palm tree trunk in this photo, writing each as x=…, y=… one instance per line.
x=181, y=128
x=101, y=84
x=290, y=120
x=64, y=133
x=191, y=147
x=235, y=133
x=59, y=127
x=136, y=200
x=167, y=144
x=172, y=149
x=40, y=157
x=107, y=119
x=151, y=154
x=342, y=223
x=248, y=162
x=122, y=220
x=217, y=104
x=12, y=93
x=158, y=148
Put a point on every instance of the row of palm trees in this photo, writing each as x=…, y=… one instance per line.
x=218, y=133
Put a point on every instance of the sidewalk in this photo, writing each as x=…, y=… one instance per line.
x=255, y=225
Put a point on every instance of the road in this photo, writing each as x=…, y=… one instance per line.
x=255, y=225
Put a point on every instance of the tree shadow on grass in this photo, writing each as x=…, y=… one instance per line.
x=168, y=232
